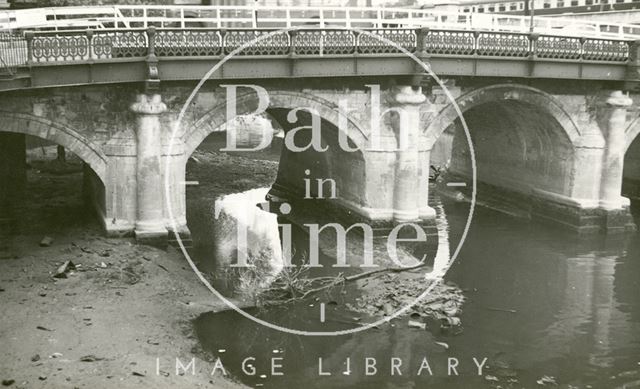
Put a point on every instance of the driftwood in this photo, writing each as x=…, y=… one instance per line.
x=331, y=282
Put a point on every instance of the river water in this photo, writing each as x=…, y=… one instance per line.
x=546, y=308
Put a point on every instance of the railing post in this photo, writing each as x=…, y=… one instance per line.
x=421, y=43
x=582, y=40
x=90, y=44
x=632, y=78
x=223, y=48
x=476, y=35
x=292, y=52
x=151, y=41
x=533, y=45
x=28, y=36
x=421, y=54
x=533, y=39
x=153, y=79
x=292, y=43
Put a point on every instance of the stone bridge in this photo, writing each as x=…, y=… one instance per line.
x=550, y=117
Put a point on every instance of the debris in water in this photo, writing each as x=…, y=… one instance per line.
x=417, y=324
x=443, y=344
x=491, y=378
x=46, y=241
x=502, y=310
x=547, y=380
x=64, y=269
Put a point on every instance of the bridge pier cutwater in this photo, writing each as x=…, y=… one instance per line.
x=150, y=225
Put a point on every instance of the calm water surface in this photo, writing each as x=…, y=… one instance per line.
x=539, y=303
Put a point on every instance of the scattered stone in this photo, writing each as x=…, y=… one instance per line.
x=62, y=271
x=55, y=355
x=135, y=373
x=417, y=324
x=451, y=321
x=42, y=294
x=103, y=265
x=8, y=382
x=46, y=241
x=43, y=328
x=90, y=358
x=1, y=290
x=491, y=378
x=42, y=377
x=35, y=358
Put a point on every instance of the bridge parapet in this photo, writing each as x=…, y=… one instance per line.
x=40, y=47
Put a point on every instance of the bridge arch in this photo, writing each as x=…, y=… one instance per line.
x=294, y=168
x=524, y=142
x=58, y=133
x=504, y=92
x=215, y=119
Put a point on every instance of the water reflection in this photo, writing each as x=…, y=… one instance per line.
x=540, y=303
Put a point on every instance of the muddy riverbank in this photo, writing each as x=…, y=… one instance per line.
x=110, y=317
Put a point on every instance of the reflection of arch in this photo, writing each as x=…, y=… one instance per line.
x=503, y=92
x=58, y=133
x=214, y=119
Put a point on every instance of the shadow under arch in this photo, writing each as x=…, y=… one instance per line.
x=503, y=92
x=71, y=139
x=247, y=103
x=524, y=145
x=293, y=166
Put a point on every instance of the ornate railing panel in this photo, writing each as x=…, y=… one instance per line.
x=558, y=47
x=450, y=42
x=119, y=44
x=405, y=38
x=503, y=45
x=321, y=42
x=60, y=47
x=185, y=43
x=605, y=50
x=276, y=44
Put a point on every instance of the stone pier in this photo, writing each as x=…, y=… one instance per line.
x=150, y=225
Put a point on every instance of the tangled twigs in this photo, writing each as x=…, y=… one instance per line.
x=293, y=285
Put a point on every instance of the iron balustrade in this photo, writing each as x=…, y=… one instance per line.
x=50, y=47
